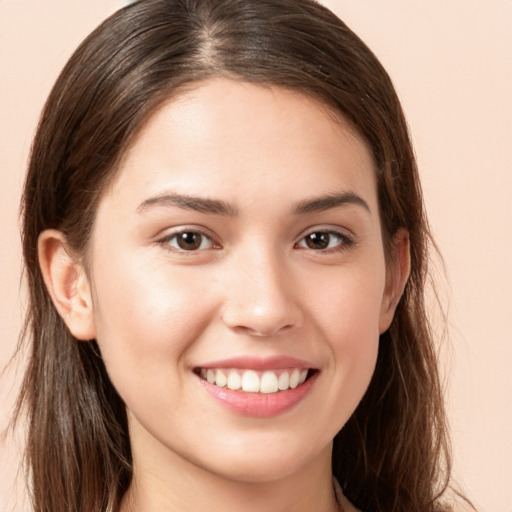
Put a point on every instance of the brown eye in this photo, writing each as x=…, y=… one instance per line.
x=189, y=241
x=318, y=240
x=324, y=240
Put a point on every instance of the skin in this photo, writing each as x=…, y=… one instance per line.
x=253, y=288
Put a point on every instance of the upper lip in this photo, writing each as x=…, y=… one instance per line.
x=259, y=363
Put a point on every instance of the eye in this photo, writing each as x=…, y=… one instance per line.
x=324, y=241
x=188, y=241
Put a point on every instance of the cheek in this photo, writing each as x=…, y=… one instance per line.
x=349, y=304
x=355, y=336
x=348, y=313
x=146, y=315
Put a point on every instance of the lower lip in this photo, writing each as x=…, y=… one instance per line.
x=260, y=405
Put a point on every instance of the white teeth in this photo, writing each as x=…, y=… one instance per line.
x=234, y=381
x=294, y=379
x=269, y=383
x=220, y=379
x=284, y=381
x=251, y=381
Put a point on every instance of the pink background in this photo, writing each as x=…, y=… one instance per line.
x=451, y=61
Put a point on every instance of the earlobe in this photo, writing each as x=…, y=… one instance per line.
x=397, y=274
x=67, y=284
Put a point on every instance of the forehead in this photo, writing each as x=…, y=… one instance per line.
x=238, y=139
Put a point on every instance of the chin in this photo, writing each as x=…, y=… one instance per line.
x=269, y=463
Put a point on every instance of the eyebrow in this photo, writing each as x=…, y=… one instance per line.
x=218, y=207
x=320, y=204
x=198, y=204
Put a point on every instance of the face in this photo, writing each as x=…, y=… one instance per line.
x=238, y=281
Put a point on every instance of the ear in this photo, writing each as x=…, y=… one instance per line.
x=398, y=268
x=67, y=284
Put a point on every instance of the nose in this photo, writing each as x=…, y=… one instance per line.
x=262, y=298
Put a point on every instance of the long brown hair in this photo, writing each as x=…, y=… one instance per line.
x=392, y=455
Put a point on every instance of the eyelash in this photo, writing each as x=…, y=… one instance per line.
x=343, y=242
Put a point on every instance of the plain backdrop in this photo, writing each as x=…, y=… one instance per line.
x=451, y=62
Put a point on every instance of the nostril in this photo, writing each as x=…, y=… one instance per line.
x=262, y=331
x=263, y=322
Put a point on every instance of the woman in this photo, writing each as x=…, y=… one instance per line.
x=226, y=252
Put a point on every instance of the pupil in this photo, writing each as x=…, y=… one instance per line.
x=317, y=240
x=189, y=241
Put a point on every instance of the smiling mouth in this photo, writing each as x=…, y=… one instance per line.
x=251, y=381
